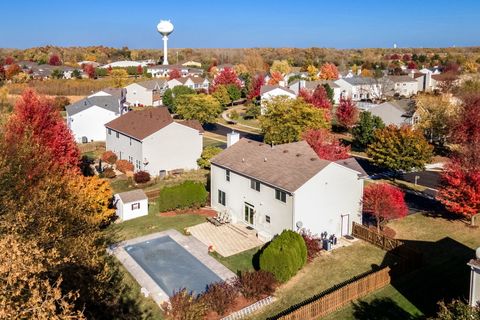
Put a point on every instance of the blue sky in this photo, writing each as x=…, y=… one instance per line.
x=236, y=24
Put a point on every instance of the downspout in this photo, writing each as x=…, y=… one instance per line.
x=293, y=212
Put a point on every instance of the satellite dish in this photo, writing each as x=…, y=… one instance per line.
x=299, y=224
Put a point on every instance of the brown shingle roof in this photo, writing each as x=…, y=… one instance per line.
x=286, y=166
x=141, y=124
x=192, y=124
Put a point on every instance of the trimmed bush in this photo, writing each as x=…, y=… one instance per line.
x=220, y=296
x=124, y=166
x=108, y=173
x=255, y=284
x=312, y=241
x=185, y=306
x=207, y=154
x=284, y=255
x=141, y=177
x=109, y=157
x=189, y=194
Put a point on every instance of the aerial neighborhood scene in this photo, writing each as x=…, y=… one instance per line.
x=253, y=160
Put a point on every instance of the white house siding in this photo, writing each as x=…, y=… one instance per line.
x=125, y=147
x=321, y=201
x=90, y=123
x=406, y=89
x=173, y=147
x=138, y=95
x=125, y=212
x=269, y=95
x=238, y=192
x=475, y=286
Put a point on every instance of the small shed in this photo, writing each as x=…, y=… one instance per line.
x=131, y=204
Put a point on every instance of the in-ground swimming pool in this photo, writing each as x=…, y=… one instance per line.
x=171, y=266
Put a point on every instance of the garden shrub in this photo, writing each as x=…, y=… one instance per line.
x=108, y=173
x=141, y=177
x=207, y=154
x=185, y=306
x=189, y=194
x=109, y=157
x=255, y=284
x=284, y=255
x=220, y=296
x=124, y=166
x=312, y=242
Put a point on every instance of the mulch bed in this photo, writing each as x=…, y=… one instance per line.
x=202, y=212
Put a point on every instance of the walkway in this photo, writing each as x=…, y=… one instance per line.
x=228, y=239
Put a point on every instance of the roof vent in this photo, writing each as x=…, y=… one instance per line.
x=265, y=159
x=243, y=159
x=298, y=154
x=285, y=151
x=313, y=159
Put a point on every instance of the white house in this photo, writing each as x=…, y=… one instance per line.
x=400, y=85
x=86, y=118
x=161, y=71
x=146, y=93
x=131, y=204
x=310, y=86
x=360, y=88
x=397, y=113
x=124, y=64
x=195, y=83
x=153, y=142
x=474, y=264
x=268, y=92
x=272, y=188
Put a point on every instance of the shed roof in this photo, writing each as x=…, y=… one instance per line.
x=133, y=195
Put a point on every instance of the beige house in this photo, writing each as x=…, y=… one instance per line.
x=153, y=142
x=196, y=83
x=146, y=93
x=273, y=188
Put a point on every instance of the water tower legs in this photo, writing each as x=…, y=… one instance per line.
x=165, y=50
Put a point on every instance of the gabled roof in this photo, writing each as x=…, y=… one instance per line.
x=109, y=103
x=268, y=88
x=353, y=164
x=401, y=79
x=141, y=124
x=312, y=85
x=152, y=84
x=359, y=81
x=286, y=166
x=196, y=80
x=133, y=195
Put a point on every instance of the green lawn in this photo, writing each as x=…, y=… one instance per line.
x=212, y=142
x=239, y=262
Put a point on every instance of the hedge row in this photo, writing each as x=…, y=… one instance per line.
x=189, y=194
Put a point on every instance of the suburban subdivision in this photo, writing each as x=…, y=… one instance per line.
x=240, y=170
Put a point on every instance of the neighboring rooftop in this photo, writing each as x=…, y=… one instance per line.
x=152, y=84
x=358, y=81
x=143, y=123
x=286, y=166
x=266, y=88
x=401, y=79
x=110, y=103
x=353, y=164
x=133, y=195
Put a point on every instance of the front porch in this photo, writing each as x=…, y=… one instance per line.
x=227, y=239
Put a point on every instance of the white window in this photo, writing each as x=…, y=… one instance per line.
x=117, y=134
x=222, y=197
x=254, y=184
x=281, y=195
x=227, y=175
x=267, y=219
x=136, y=206
x=109, y=131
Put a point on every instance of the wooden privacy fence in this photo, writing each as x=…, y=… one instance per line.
x=338, y=296
x=409, y=258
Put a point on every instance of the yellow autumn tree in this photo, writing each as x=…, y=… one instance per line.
x=471, y=66
x=366, y=73
x=119, y=78
x=281, y=66
x=240, y=68
x=312, y=72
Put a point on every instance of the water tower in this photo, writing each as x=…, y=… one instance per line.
x=165, y=27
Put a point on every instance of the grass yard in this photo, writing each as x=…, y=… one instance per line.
x=152, y=223
x=212, y=142
x=239, y=262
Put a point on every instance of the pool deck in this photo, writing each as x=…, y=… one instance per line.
x=191, y=244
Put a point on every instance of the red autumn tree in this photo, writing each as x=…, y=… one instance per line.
x=412, y=65
x=275, y=78
x=228, y=76
x=319, y=98
x=9, y=60
x=257, y=84
x=347, y=113
x=326, y=145
x=466, y=129
x=174, y=74
x=139, y=69
x=109, y=69
x=406, y=57
x=384, y=202
x=329, y=71
x=460, y=190
x=395, y=57
x=89, y=69
x=54, y=60
x=36, y=115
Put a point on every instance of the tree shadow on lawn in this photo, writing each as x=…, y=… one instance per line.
x=380, y=309
x=443, y=275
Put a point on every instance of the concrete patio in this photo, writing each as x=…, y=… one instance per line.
x=228, y=239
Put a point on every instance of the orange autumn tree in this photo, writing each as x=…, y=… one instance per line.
x=328, y=71
x=275, y=78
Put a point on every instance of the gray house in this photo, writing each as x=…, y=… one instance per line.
x=395, y=112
